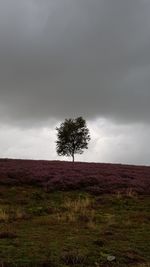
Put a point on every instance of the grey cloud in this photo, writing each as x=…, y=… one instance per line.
x=63, y=58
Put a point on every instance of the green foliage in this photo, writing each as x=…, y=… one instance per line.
x=73, y=136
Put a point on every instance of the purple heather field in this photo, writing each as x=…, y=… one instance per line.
x=97, y=178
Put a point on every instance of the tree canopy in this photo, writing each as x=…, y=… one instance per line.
x=73, y=136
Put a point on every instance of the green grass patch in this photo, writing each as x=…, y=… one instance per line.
x=72, y=228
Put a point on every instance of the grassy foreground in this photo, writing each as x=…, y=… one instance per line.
x=73, y=228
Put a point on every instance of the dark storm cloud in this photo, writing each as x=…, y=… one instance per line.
x=63, y=58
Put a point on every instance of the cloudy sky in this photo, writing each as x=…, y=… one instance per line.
x=69, y=58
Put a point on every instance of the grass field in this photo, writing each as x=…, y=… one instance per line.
x=73, y=228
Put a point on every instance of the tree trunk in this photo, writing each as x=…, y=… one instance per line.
x=72, y=157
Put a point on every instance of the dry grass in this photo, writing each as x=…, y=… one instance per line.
x=7, y=214
x=109, y=219
x=79, y=204
x=80, y=210
x=20, y=214
x=69, y=217
x=91, y=225
x=4, y=216
x=128, y=193
x=118, y=195
x=131, y=193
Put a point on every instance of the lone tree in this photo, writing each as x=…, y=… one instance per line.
x=73, y=136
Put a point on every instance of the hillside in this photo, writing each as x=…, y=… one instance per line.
x=93, y=177
x=63, y=214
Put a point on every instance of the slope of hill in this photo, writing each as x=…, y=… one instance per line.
x=88, y=215
x=92, y=177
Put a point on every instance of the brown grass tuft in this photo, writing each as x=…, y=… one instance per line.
x=79, y=210
x=4, y=216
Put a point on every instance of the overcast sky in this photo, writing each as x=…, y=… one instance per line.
x=69, y=58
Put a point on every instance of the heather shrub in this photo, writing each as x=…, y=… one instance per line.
x=94, y=177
